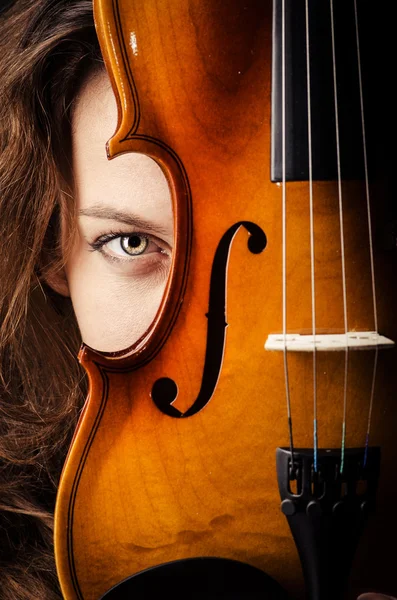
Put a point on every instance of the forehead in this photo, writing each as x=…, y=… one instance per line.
x=130, y=179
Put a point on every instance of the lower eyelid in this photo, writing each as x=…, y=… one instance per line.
x=131, y=259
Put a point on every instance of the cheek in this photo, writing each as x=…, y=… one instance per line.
x=113, y=309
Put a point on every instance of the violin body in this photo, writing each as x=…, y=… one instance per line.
x=148, y=481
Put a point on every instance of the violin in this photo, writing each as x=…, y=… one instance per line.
x=276, y=333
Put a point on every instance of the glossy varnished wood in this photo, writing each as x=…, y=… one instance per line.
x=140, y=488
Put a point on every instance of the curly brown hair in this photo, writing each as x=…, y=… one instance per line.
x=46, y=49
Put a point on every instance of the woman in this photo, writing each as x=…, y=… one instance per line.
x=77, y=244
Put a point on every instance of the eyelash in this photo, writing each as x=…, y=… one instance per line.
x=103, y=240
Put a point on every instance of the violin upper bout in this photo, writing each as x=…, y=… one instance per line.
x=112, y=38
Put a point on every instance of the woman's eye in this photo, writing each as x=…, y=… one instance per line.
x=130, y=245
x=125, y=246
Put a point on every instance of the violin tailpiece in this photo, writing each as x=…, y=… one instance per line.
x=327, y=510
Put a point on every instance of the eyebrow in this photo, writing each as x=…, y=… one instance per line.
x=107, y=212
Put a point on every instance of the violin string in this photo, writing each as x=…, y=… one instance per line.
x=342, y=238
x=371, y=403
x=313, y=289
x=284, y=235
x=371, y=253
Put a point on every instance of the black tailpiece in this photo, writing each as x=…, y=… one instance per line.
x=327, y=511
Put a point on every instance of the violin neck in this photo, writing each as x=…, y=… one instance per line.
x=316, y=74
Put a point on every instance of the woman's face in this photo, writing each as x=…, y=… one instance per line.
x=121, y=255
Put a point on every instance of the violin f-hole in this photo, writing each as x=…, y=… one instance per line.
x=165, y=390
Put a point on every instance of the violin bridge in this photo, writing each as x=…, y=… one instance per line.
x=353, y=340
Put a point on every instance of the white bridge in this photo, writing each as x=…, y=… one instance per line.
x=353, y=340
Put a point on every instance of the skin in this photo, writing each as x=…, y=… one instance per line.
x=122, y=248
x=121, y=255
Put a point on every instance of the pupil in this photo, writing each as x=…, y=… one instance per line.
x=134, y=241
